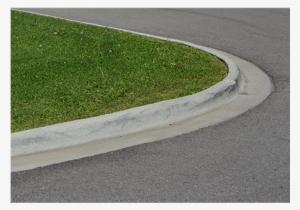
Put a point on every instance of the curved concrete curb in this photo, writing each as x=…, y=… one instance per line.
x=127, y=121
x=87, y=137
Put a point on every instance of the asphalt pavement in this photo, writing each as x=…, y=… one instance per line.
x=245, y=159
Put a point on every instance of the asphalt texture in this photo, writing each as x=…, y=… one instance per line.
x=245, y=159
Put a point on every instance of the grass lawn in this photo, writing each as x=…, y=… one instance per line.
x=62, y=70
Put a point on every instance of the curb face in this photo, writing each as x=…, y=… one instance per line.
x=81, y=138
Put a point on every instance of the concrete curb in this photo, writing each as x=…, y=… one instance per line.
x=128, y=122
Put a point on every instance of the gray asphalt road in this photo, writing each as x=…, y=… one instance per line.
x=245, y=159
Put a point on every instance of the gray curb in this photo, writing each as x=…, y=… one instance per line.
x=128, y=122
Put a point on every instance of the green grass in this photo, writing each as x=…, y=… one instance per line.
x=62, y=70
